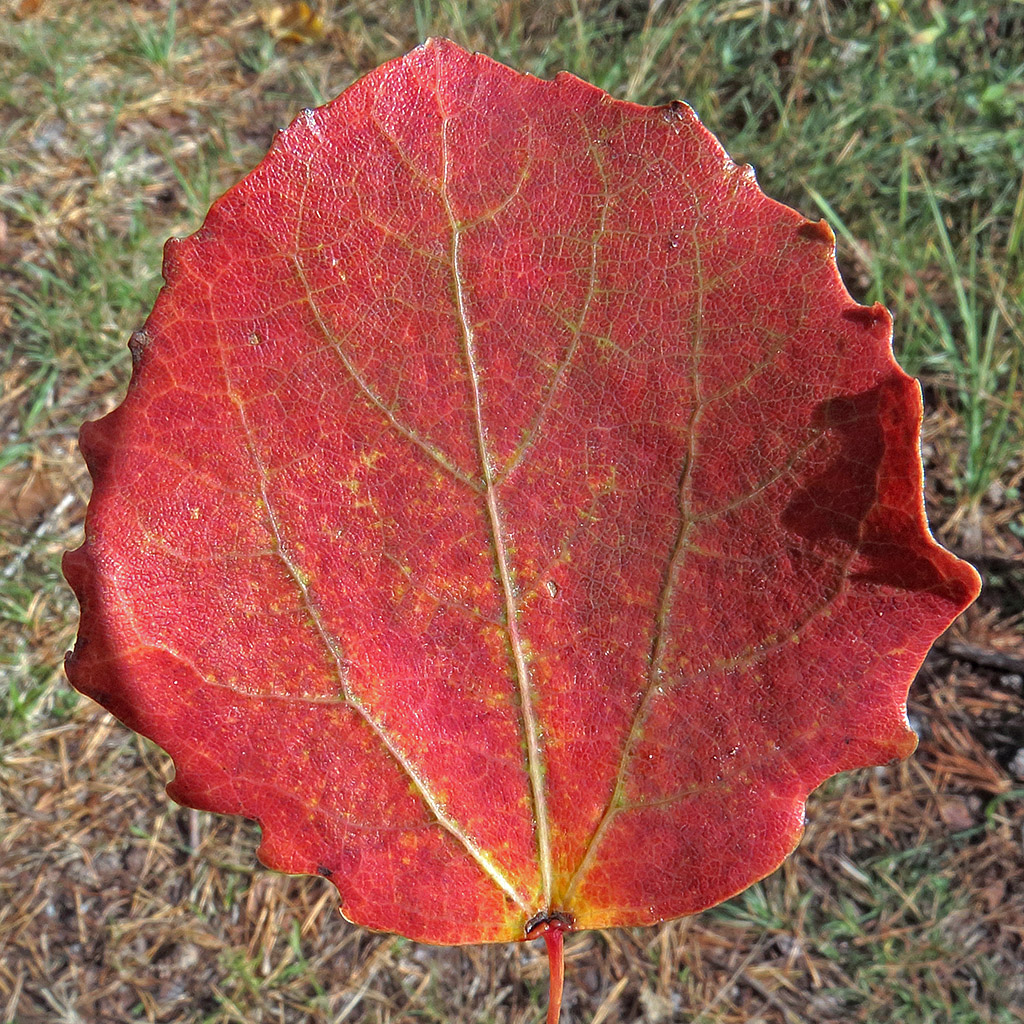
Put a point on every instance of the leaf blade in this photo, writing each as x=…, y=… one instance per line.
x=469, y=566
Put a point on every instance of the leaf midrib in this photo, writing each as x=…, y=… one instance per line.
x=531, y=732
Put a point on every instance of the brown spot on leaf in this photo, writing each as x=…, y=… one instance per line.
x=675, y=112
x=816, y=231
x=867, y=317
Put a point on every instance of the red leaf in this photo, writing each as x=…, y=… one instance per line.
x=511, y=510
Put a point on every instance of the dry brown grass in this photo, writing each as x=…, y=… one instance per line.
x=906, y=898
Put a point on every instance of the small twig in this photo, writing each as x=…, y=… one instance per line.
x=985, y=657
x=771, y=998
x=369, y=971
x=605, y=1009
x=1009, y=563
x=46, y=526
x=756, y=951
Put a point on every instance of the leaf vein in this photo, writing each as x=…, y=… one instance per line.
x=534, y=766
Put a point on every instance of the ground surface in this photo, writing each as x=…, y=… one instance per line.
x=900, y=123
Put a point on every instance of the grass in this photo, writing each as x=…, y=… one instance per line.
x=898, y=122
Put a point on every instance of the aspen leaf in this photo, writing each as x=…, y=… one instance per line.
x=510, y=510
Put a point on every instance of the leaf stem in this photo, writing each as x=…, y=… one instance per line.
x=556, y=963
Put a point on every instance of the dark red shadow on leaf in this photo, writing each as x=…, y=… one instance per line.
x=870, y=494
